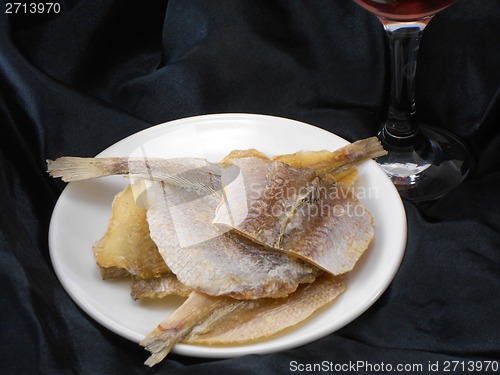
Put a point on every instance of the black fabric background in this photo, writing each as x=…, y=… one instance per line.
x=75, y=83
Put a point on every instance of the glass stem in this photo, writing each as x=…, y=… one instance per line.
x=400, y=127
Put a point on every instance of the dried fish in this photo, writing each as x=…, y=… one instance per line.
x=259, y=200
x=255, y=320
x=202, y=256
x=126, y=247
x=214, y=262
x=203, y=319
x=237, y=235
x=299, y=211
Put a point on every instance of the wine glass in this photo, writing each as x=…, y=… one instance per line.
x=423, y=162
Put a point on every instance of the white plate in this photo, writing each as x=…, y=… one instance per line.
x=83, y=209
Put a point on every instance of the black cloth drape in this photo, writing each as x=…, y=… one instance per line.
x=76, y=82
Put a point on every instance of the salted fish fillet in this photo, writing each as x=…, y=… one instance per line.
x=326, y=225
x=126, y=247
x=296, y=211
x=209, y=320
x=214, y=262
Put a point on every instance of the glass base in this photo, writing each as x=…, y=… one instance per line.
x=429, y=168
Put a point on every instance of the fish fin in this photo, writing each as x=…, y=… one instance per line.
x=71, y=168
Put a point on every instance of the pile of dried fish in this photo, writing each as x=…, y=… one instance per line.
x=256, y=244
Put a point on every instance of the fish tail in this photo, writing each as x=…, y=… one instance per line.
x=194, y=311
x=158, y=346
x=367, y=148
x=348, y=157
x=75, y=168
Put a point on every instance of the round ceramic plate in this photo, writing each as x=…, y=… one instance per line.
x=83, y=210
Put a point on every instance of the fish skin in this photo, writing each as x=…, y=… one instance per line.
x=331, y=232
x=158, y=287
x=262, y=206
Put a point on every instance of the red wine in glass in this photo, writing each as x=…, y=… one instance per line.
x=424, y=162
x=405, y=10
